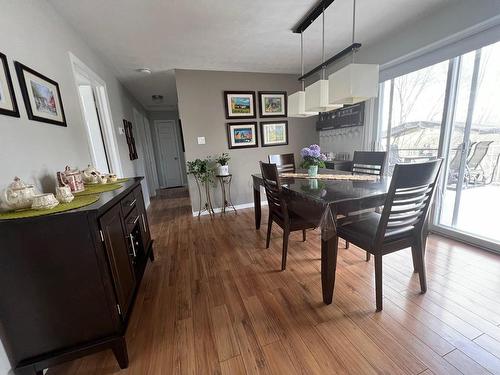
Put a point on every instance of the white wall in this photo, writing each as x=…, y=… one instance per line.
x=33, y=33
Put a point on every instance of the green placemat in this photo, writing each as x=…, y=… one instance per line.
x=98, y=188
x=122, y=180
x=78, y=202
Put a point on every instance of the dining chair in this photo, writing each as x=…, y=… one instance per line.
x=278, y=210
x=367, y=162
x=284, y=162
x=401, y=224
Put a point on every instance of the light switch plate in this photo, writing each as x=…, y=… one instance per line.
x=201, y=140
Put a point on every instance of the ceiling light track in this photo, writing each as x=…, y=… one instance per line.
x=312, y=15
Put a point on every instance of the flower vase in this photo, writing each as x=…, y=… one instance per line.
x=312, y=171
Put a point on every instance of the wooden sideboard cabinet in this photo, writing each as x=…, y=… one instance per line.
x=68, y=281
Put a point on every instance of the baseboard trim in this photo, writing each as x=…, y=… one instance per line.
x=238, y=207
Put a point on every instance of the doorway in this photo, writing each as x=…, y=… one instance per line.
x=96, y=115
x=168, y=160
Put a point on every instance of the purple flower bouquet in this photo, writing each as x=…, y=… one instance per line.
x=312, y=159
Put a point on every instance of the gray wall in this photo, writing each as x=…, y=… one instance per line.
x=34, y=34
x=201, y=109
x=167, y=115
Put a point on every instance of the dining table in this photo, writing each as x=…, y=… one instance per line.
x=319, y=200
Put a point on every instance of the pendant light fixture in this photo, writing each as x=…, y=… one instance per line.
x=297, y=101
x=317, y=93
x=353, y=83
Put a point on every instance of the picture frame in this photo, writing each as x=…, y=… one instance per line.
x=239, y=104
x=42, y=96
x=8, y=102
x=273, y=104
x=129, y=135
x=242, y=135
x=274, y=133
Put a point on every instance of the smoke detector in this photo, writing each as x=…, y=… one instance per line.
x=157, y=98
x=144, y=70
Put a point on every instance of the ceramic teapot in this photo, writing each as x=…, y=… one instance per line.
x=72, y=178
x=91, y=175
x=17, y=195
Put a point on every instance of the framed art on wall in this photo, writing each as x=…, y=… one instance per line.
x=272, y=104
x=129, y=135
x=239, y=104
x=274, y=133
x=8, y=103
x=41, y=95
x=242, y=135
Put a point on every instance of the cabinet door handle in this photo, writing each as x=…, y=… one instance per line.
x=144, y=223
x=132, y=203
x=135, y=220
x=131, y=237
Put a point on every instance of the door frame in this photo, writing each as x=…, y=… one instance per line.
x=159, y=161
x=99, y=87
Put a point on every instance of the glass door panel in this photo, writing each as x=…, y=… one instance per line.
x=471, y=199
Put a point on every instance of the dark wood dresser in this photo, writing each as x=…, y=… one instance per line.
x=68, y=281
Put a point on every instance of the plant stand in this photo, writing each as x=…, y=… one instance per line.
x=225, y=180
x=208, y=202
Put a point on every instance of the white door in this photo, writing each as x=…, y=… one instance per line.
x=169, y=165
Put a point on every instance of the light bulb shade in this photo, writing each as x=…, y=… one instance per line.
x=353, y=83
x=297, y=105
x=317, y=97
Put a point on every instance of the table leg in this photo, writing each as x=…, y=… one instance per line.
x=329, y=248
x=257, y=208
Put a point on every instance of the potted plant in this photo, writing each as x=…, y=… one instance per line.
x=312, y=159
x=223, y=167
x=202, y=170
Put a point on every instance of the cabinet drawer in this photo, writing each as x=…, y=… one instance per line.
x=131, y=220
x=128, y=203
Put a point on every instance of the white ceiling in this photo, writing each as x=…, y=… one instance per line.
x=233, y=35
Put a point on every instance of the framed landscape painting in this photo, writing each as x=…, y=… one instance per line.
x=8, y=103
x=242, y=135
x=272, y=104
x=239, y=104
x=274, y=133
x=41, y=96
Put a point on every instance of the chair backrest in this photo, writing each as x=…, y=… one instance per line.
x=479, y=153
x=368, y=162
x=407, y=203
x=284, y=162
x=273, y=189
x=455, y=162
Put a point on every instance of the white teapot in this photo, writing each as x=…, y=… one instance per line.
x=91, y=175
x=17, y=196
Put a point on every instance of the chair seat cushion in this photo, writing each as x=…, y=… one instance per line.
x=362, y=229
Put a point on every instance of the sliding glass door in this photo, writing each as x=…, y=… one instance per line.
x=452, y=110
x=470, y=201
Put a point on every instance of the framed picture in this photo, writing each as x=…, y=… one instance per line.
x=129, y=135
x=239, y=104
x=41, y=95
x=274, y=133
x=272, y=104
x=8, y=103
x=242, y=135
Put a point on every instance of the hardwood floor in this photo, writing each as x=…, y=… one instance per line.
x=215, y=302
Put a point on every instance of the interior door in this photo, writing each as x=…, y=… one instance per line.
x=169, y=165
x=119, y=259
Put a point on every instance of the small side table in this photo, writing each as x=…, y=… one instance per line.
x=226, y=197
